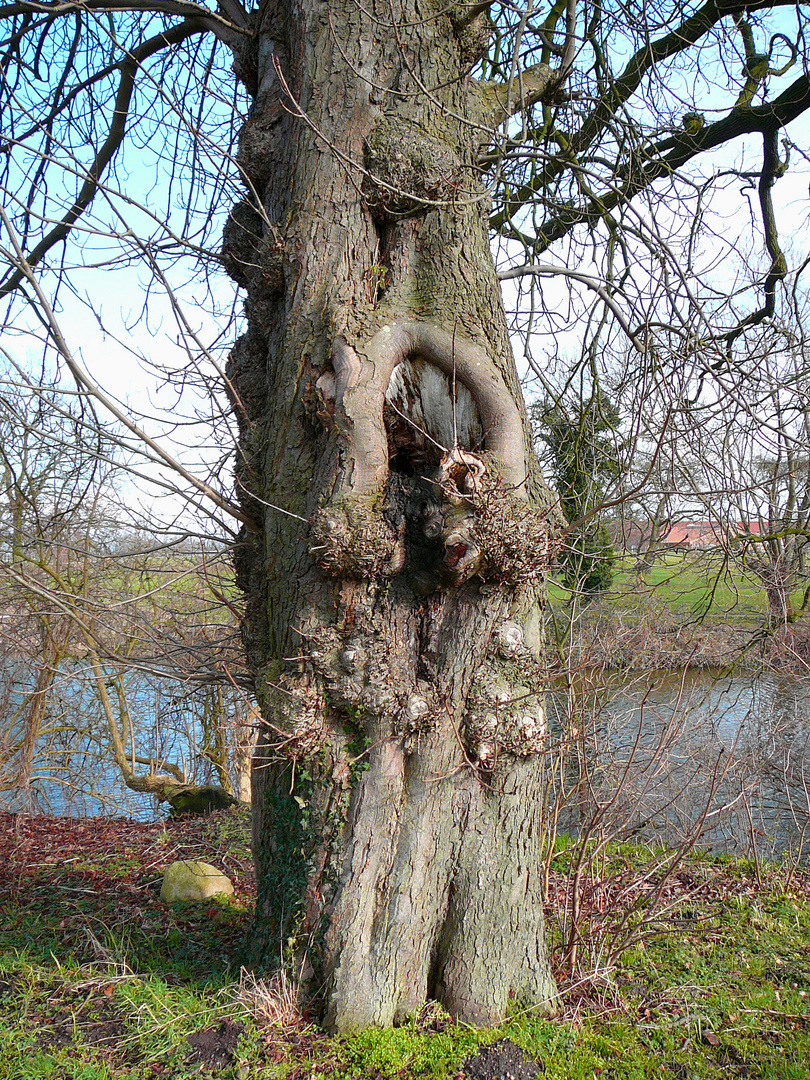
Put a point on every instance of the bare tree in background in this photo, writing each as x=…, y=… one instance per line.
x=732, y=461
x=96, y=621
x=49, y=499
x=754, y=477
x=394, y=529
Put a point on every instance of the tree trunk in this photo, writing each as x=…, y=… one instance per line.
x=647, y=554
x=779, y=583
x=392, y=624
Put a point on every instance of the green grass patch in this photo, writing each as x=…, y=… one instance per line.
x=100, y=981
x=690, y=584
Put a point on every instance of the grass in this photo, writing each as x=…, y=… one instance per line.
x=100, y=980
x=690, y=584
x=728, y=986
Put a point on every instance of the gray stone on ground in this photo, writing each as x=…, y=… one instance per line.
x=190, y=880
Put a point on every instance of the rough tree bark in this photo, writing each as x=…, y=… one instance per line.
x=392, y=624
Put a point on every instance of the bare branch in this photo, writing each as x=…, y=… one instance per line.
x=590, y=282
x=128, y=69
x=537, y=83
x=226, y=28
x=97, y=394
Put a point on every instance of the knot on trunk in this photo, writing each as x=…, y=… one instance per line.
x=261, y=144
x=252, y=251
x=504, y=715
x=473, y=31
x=463, y=523
x=518, y=542
x=421, y=712
x=295, y=712
x=438, y=532
x=354, y=540
x=440, y=545
x=367, y=394
x=409, y=172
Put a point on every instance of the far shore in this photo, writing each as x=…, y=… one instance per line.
x=660, y=640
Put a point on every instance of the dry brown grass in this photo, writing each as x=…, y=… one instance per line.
x=273, y=1001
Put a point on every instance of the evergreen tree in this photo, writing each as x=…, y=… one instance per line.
x=582, y=453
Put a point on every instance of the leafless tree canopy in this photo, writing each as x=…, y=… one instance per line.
x=621, y=131
x=635, y=158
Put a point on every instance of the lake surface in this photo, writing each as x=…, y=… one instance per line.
x=72, y=771
x=720, y=760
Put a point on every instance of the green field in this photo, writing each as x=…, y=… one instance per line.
x=692, y=585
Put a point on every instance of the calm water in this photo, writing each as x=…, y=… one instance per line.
x=72, y=771
x=723, y=760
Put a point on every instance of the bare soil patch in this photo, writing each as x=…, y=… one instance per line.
x=214, y=1047
x=502, y=1060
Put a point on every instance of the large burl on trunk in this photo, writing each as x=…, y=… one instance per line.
x=392, y=625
